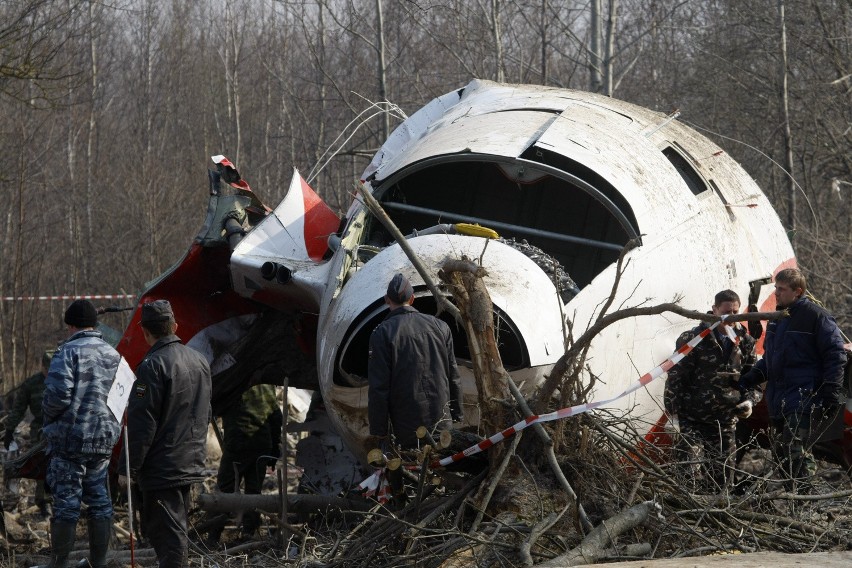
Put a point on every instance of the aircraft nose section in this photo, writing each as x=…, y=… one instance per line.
x=527, y=308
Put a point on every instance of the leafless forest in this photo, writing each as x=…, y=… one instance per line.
x=111, y=111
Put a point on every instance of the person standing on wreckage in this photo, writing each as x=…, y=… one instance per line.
x=167, y=418
x=412, y=371
x=81, y=432
x=702, y=392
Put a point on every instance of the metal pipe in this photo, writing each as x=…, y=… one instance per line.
x=501, y=226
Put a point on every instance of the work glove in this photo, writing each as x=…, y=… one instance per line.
x=829, y=411
x=674, y=422
x=743, y=409
x=755, y=328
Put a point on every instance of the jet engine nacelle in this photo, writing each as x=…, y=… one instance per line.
x=526, y=306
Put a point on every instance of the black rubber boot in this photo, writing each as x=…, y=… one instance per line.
x=100, y=533
x=62, y=534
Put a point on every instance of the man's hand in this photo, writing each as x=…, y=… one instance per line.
x=743, y=409
x=122, y=482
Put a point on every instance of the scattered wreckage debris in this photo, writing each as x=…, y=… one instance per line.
x=614, y=503
x=540, y=496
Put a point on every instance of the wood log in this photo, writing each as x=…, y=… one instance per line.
x=235, y=502
x=474, y=303
x=598, y=542
x=458, y=440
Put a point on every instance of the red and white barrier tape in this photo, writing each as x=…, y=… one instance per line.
x=69, y=297
x=377, y=486
x=673, y=360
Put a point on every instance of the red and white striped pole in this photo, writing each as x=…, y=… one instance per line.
x=66, y=297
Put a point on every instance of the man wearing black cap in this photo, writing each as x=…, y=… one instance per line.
x=80, y=431
x=412, y=370
x=167, y=419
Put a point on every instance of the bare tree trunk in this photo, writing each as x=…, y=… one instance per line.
x=380, y=48
x=474, y=303
x=596, y=545
x=609, y=54
x=148, y=21
x=73, y=217
x=318, y=150
x=232, y=57
x=788, y=135
x=92, y=132
x=595, y=68
x=496, y=32
x=543, y=21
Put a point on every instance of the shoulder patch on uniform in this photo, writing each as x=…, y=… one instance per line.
x=140, y=390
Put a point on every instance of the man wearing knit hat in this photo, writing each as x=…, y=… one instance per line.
x=80, y=431
x=412, y=370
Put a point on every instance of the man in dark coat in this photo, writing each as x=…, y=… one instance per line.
x=412, y=370
x=81, y=431
x=28, y=397
x=802, y=367
x=702, y=391
x=167, y=418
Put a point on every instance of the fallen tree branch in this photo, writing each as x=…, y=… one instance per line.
x=598, y=542
x=796, y=497
x=488, y=490
x=376, y=209
x=585, y=524
x=553, y=380
x=541, y=527
x=233, y=502
x=804, y=528
x=639, y=550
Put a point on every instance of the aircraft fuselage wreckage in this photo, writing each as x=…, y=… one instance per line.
x=567, y=179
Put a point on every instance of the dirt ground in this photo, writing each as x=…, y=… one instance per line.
x=752, y=560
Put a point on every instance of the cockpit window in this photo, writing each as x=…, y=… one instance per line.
x=693, y=180
x=538, y=209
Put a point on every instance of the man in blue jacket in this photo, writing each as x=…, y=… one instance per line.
x=802, y=367
x=80, y=431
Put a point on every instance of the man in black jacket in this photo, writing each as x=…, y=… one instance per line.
x=412, y=370
x=167, y=419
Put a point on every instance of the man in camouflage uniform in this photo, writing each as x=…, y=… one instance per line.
x=702, y=392
x=29, y=396
x=252, y=441
x=80, y=431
